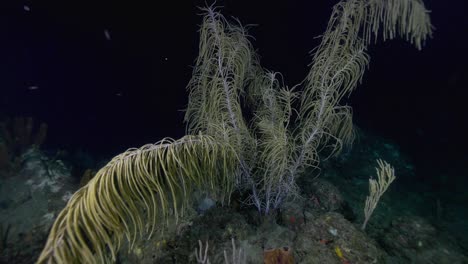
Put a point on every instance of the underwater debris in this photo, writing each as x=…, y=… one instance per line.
x=107, y=34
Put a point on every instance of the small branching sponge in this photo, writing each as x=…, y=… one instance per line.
x=385, y=176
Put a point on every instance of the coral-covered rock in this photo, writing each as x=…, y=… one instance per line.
x=330, y=238
x=30, y=200
x=414, y=239
x=326, y=196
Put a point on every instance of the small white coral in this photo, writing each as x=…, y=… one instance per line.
x=49, y=217
x=29, y=182
x=333, y=231
x=67, y=196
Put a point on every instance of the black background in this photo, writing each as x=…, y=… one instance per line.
x=105, y=96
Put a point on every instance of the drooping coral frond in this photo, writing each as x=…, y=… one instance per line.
x=221, y=72
x=134, y=192
x=339, y=63
x=219, y=77
x=409, y=19
x=271, y=122
x=335, y=73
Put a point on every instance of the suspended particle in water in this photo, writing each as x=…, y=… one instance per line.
x=107, y=34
